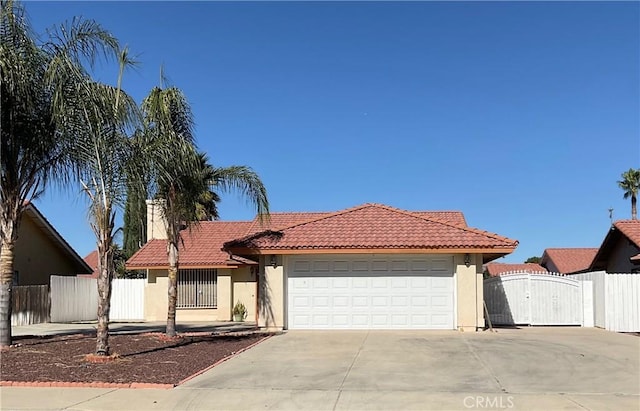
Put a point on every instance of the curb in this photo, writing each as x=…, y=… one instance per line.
x=223, y=360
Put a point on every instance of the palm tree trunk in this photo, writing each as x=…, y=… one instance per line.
x=634, y=210
x=172, y=289
x=105, y=268
x=9, y=228
x=6, y=284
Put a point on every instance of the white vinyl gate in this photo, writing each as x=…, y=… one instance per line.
x=535, y=299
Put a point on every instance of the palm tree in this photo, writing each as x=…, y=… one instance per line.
x=38, y=84
x=630, y=184
x=183, y=178
x=104, y=158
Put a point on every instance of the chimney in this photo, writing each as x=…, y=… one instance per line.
x=156, y=223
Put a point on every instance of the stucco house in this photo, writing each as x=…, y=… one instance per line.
x=620, y=250
x=367, y=267
x=568, y=260
x=40, y=251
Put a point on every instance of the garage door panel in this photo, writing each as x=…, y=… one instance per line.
x=370, y=293
x=342, y=302
x=360, y=301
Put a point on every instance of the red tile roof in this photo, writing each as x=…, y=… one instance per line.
x=496, y=269
x=280, y=220
x=201, y=247
x=569, y=260
x=631, y=230
x=92, y=261
x=374, y=226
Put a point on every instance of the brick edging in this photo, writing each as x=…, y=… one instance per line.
x=62, y=384
x=220, y=361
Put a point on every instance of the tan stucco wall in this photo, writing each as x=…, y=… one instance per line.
x=245, y=291
x=271, y=294
x=619, y=257
x=233, y=285
x=469, y=293
x=37, y=256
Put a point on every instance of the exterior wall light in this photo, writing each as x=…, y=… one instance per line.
x=467, y=259
x=274, y=262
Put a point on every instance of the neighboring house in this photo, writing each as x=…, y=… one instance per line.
x=92, y=261
x=568, y=260
x=620, y=250
x=40, y=251
x=496, y=269
x=367, y=267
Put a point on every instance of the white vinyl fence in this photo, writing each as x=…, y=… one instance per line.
x=616, y=299
x=535, y=299
x=76, y=299
x=127, y=299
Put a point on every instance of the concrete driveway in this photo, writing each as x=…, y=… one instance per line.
x=529, y=368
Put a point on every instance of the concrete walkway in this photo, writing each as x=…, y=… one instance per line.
x=521, y=369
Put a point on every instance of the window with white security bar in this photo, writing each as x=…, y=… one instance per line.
x=197, y=288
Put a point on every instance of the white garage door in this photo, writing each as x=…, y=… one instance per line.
x=370, y=292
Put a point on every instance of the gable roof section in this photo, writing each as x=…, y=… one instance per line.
x=374, y=227
x=280, y=220
x=496, y=269
x=569, y=260
x=630, y=229
x=41, y=222
x=201, y=247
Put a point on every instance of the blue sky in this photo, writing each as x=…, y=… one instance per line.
x=521, y=115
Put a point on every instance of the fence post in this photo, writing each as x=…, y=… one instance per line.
x=587, y=303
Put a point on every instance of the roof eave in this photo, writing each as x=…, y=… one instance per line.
x=183, y=266
x=499, y=252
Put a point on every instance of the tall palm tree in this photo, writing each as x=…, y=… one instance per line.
x=38, y=84
x=183, y=179
x=630, y=184
x=104, y=158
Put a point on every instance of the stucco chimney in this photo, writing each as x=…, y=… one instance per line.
x=156, y=223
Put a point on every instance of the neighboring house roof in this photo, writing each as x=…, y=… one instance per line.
x=201, y=247
x=496, y=269
x=374, y=227
x=568, y=260
x=92, y=261
x=629, y=229
x=41, y=222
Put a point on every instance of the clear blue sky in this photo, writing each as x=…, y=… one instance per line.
x=521, y=115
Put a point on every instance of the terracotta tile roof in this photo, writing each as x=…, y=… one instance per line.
x=92, y=261
x=569, y=260
x=374, y=226
x=201, y=247
x=280, y=220
x=496, y=269
x=630, y=229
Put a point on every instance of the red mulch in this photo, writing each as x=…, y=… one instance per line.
x=139, y=358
